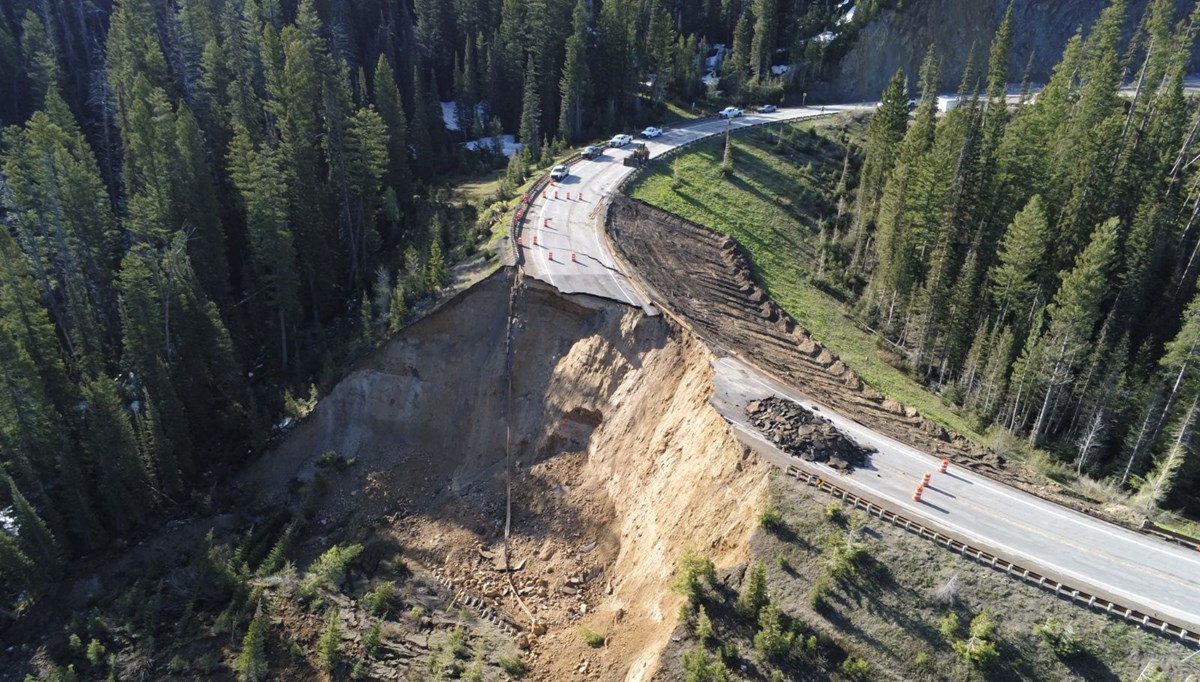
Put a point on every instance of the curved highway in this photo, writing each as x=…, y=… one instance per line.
x=563, y=243
x=562, y=239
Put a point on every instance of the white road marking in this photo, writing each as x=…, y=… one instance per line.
x=748, y=374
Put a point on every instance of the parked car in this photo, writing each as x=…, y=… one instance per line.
x=767, y=109
x=652, y=132
x=729, y=112
x=620, y=140
x=560, y=172
x=912, y=104
x=590, y=152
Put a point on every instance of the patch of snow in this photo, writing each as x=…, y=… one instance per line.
x=710, y=79
x=847, y=17
x=780, y=70
x=508, y=144
x=8, y=521
x=826, y=37
x=450, y=115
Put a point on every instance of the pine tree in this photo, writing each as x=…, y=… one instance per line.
x=40, y=55
x=531, y=112
x=63, y=224
x=754, y=595
x=34, y=539
x=251, y=664
x=575, y=85
x=397, y=309
x=297, y=98
x=366, y=155
x=398, y=177
x=1023, y=252
x=329, y=646
x=437, y=273
x=122, y=486
x=1073, y=316
x=884, y=134
x=738, y=62
x=762, y=47
x=1164, y=480
x=263, y=188
x=198, y=206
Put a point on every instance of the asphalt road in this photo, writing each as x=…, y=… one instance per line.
x=1140, y=571
x=1143, y=572
x=563, y=240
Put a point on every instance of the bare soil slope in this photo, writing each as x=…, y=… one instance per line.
x=708, y=279
x=619, y=465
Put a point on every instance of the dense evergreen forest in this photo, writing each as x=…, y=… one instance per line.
x=203, y=199
x=1037, y=264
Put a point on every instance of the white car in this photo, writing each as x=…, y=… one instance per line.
x=560, y=172
x=767, y=109
x=729, y=112
x=652, y=132
x=620, y=140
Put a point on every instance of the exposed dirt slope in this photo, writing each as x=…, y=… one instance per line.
x=708, y=278
x=620, y=465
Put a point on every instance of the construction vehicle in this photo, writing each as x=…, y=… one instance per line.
x=638, y=157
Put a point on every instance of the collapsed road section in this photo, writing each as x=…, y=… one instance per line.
x=802, y=433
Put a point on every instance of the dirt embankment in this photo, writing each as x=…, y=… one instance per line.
x=619, y=465
x=707, y=278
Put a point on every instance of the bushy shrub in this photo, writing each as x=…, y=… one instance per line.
x=379, y=600
x=1061, y=638
x=513, y=666
x=771, y=519
x=591, y=637
x=694, y=571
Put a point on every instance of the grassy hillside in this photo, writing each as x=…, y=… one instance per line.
x=779, y=188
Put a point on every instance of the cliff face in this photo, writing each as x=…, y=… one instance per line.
x=899, y=38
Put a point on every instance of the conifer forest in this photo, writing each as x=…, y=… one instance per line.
x=203, y=198
x=205, y=201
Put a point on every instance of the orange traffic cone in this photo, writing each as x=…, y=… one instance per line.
x=555, y=194
x=917, y=494
x=945, y=465
x=925, y=480
x=551, y=256
x=519, y=242
x=573, y=257
x=535, y=240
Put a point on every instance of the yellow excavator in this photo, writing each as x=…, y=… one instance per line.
x=638, y=157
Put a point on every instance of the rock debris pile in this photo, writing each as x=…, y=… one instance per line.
x=805, y=434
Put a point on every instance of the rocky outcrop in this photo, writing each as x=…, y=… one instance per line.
x=899, y=38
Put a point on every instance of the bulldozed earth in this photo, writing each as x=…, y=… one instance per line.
x=707, y=280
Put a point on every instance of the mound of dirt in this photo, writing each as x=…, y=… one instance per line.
x=619, y=464
x=805, y=434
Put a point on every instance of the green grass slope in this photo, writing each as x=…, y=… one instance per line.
x=780, y=186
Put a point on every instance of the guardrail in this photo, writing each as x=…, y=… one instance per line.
x=1062, y=590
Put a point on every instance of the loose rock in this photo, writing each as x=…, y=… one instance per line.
x=804, y=434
